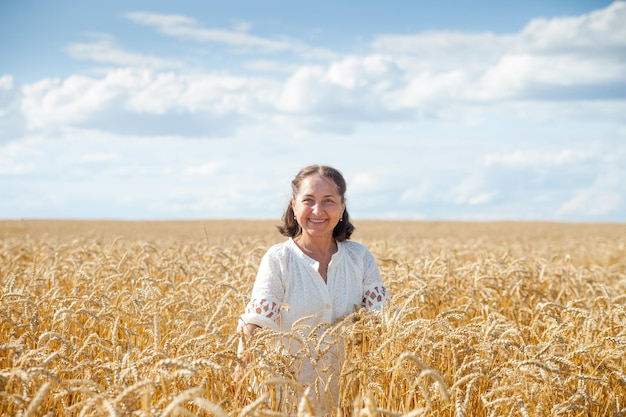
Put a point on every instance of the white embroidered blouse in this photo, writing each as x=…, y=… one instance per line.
x=288, y=277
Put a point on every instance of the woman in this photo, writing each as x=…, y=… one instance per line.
x=315, y=277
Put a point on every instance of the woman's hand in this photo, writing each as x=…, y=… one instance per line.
x=244, y=357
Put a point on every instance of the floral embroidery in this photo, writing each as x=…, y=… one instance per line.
x=374, y=296
x=263, y=307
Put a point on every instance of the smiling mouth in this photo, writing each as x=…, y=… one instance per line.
x=317, y=221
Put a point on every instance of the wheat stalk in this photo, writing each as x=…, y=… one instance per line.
x=484, y=319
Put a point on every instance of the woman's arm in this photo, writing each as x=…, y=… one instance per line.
x=374, y=291
x=248, y=331
x=263, y=308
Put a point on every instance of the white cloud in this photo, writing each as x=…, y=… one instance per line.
x=564, y=51
x=26, y=146
x=531, y=76
x=183, y=27
x=444, y=124
x=242, y=25
x=208, y=168
x=18, y=158
x=415, y=194
x=536, y=158
x=56, y=102
x=482, y=198
x=11, y=168
x=351, y=89
x=104, y=50
x=100, y=157
x=261, y=65
x=591, y=202
x=361, y=72
x=6, y=82
x=187, y=28
x=600, y=29
x=126, y=93
x=375, y=87
x=11, y=118
x=363, y=182
x=426, y=89
x=218, y=94
x=442, y=51
x=537, y=63
x=302, y=91
x=471, y=190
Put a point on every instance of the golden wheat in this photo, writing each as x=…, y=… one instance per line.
x=139, y=319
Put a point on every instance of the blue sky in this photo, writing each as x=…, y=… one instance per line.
x=435, y=110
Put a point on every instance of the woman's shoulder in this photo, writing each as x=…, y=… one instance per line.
x=279, y=249
x=354, y=247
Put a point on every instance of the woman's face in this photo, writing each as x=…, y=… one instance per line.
x=318, y=206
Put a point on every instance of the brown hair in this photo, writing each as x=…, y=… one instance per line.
x=290, y=226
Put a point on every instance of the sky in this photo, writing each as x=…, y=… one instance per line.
x=432, y=110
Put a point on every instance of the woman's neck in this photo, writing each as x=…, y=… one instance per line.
x=320, y=247
x=321, y=250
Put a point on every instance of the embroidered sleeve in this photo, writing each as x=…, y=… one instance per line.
x=263, y=309
x=374, y=291
x=374, y=297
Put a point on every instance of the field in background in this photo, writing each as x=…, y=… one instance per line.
x=138, y=319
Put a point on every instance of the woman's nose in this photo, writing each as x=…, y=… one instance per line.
x=317, y=207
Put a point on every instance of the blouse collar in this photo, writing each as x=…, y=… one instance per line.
x=336, y=256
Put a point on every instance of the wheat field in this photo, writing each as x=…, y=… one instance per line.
x=484, y=319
